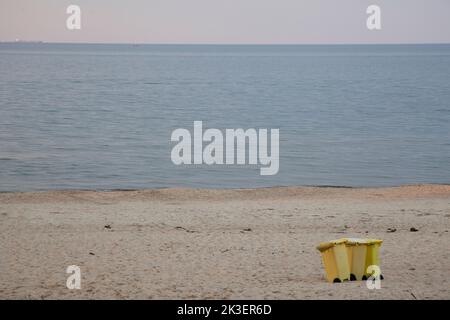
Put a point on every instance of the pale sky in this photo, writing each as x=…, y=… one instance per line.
x=226, y=21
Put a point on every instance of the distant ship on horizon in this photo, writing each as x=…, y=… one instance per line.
x=24, y=41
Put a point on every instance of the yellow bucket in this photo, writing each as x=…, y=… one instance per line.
x=335, y=260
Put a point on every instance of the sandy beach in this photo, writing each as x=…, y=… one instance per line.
x=220, y=244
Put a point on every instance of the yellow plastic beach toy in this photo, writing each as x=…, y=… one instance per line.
x=335, y=260
x=348, y=258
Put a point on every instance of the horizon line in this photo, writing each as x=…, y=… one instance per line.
x=221, y=44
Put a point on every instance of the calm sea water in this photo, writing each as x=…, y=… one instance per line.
x=101, y=116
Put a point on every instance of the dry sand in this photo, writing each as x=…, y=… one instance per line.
x=230, y=244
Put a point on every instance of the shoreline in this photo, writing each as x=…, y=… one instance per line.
x=236, y=188
x=401, y=191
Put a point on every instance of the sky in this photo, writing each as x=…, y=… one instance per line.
x=226, y=21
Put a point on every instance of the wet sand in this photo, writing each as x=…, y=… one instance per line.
x=220, y=244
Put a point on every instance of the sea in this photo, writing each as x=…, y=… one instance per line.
x=100, y=116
